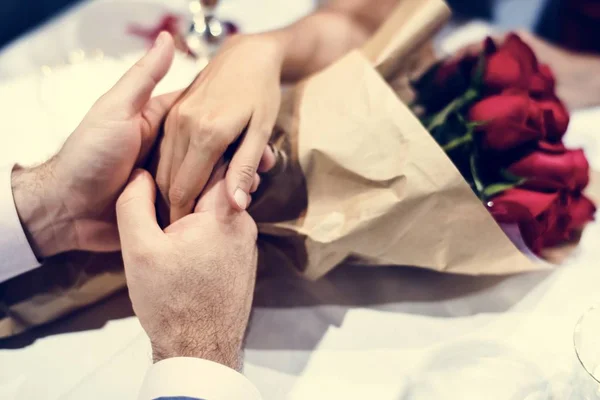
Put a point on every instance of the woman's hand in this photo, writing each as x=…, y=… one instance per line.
x=237, y=96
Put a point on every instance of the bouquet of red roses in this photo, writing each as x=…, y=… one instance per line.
x=496, y=115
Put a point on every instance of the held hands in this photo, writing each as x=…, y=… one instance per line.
x=68, y=203
x=237, y=92
x=191, y=285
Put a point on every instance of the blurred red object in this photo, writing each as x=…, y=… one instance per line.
x=169, y=23
x=499, y=119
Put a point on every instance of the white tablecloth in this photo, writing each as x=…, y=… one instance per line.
x=359, y=333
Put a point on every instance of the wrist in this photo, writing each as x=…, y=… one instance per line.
x=280, y=42
x=272, y=46
x=44, y=218
x=212, y=348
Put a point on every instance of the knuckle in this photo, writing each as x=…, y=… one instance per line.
x=139, y=67
x=172, y=118
x=250, y=227
x=185, y=112
x=163, y=184
x=211, y=137
x=177, y=196
x=265, y=131
x=185, y=118
x=243, y=230
x=125, y=201
x=209, y=127
x=141, y=256
x=246, y=232
x=246, y=173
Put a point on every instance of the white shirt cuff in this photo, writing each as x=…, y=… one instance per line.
x=198, y=379
x=16, y=256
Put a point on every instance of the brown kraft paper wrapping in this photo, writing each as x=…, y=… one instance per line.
x=364, y=178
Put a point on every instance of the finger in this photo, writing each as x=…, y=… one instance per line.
x=191, y=178
x=133, y=90
x=153, y=116
x=205, y=148
x=245, y=164
x=180, y=149
x=255, y=183
x=181, y=144
x=268, y=160
x=136, y=215
x=214, y=196
x=157, y=109
x=164, y=155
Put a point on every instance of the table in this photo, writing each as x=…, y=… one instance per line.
x=377, y=333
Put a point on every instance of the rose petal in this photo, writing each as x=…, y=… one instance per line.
x=569, y=170
x=558, y=124
x=542, y=83
x=555, y=148
x=503, y=71
x=534, y=202
x=581, y=210
x=521, y=51
x=508, y=120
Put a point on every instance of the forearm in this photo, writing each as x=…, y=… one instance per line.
x=321, y=38
x=317, y=41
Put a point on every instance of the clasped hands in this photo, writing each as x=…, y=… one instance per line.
x=191, y=283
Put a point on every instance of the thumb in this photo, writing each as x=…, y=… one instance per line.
x=154, y=113
x=214, y=195
x=136, y=213
x=134, y=89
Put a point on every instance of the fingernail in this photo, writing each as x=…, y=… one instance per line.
x=160, y=39
x=241, y=198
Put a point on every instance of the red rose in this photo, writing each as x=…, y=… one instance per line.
x=514, y=65
x=509, y=66
x=508, y=120
x=541, y=217
x=581, y=211
x=556, y=118
x=542, y=83
x=552, y=148
x=568, y=169
x=445, y=82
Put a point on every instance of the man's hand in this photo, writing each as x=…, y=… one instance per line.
x=191, y=286
x=68, y=203
x=237, y=92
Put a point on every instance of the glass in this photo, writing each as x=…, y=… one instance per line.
x=207, y=30
x=586, y=339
